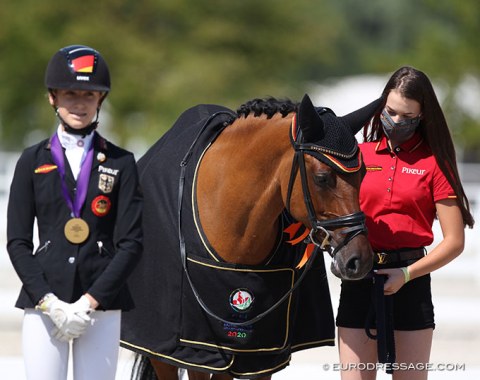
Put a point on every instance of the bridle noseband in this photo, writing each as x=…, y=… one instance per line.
x=352, y=224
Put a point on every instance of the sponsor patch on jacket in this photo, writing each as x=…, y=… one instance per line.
x=45, y=169
x=101, y=205
x=105, y=183
x=104, y=169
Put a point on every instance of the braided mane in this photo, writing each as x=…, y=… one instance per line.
x=268, y=106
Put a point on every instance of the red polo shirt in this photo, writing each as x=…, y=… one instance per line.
x=399, y=192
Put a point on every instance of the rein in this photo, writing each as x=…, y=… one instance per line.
x=381, y=311
x=355, y=221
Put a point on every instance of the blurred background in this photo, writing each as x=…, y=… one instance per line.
x=168, y=55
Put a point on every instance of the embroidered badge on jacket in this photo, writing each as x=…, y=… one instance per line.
x=105, y=183
x=45, y=169
x=101, y=205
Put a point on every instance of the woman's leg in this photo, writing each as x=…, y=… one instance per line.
x=45, y=358
x=357, y=351
x=413, y=347
x=95, y=353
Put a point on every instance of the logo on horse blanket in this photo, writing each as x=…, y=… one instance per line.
x=214, y=281
x=241, y=299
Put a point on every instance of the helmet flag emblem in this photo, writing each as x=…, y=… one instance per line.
x=83, y=64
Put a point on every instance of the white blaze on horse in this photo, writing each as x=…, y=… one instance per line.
x=237, y=205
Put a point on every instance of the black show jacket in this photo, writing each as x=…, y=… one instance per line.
x=112, y=209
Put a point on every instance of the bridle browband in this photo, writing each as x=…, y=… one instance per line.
x=352, y=224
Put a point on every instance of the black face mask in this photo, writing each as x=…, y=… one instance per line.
x=399, y=132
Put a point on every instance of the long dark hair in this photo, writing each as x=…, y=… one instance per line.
x=414, y=84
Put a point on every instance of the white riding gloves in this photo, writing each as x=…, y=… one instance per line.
x=71, y=320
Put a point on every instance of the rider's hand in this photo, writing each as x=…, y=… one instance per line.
x=71, y=320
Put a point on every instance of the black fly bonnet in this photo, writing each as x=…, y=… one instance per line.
x=330, y=139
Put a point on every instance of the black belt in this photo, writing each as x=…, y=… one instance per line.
x=390, y=257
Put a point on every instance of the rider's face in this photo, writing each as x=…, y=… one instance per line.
x=76, y=107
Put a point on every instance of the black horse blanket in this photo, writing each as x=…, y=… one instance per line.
x=168, y=323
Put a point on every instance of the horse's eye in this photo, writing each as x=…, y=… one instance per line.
x=324, y=179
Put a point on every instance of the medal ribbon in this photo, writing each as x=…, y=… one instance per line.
x=83, y=178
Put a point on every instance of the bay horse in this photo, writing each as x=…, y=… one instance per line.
x=236, y=206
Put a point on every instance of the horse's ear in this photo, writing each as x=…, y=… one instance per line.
x=309, y=121
x=357, y=119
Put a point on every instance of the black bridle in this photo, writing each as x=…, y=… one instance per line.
x=352, y=224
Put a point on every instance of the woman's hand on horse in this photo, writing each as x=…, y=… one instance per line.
x=396, y=279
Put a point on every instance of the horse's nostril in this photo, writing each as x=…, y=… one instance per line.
x=353, y=265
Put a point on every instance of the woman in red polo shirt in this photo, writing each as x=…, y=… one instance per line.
x=412, y=178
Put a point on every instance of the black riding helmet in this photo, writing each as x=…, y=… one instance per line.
x=78, y=67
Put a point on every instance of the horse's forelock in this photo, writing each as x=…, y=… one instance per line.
x=268, y=106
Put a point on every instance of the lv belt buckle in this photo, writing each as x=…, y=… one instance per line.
x=381, y=258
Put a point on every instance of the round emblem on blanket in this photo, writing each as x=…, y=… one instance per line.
x=241, y=300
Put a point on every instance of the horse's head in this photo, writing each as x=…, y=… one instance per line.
x=325, y=196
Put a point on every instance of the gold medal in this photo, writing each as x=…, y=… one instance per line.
x=76, y=230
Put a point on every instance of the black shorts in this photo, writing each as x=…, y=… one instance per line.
x=412, y=305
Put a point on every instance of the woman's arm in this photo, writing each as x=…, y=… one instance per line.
x=451, y=222
x=450, y=247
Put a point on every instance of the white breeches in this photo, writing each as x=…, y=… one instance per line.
x=94, y=354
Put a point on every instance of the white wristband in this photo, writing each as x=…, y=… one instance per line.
x=406, y=274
